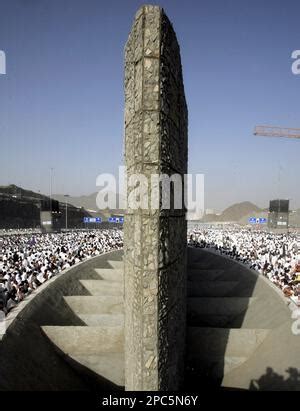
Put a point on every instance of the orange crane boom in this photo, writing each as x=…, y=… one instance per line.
x=270, y=131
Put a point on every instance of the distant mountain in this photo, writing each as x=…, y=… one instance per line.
x=88, y=202
x=235, y=213
x=239, y=210
x=20, y=208
x=19, y=192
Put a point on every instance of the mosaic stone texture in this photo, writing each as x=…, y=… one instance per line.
x=155, y=239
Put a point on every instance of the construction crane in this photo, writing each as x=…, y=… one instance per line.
x=270, y=131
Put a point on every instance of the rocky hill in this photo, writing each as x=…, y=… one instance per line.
x=235, y=213
x=239, y=210
x=88, y=202
x=20, y=208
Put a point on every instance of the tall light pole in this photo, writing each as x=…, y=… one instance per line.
x=51, y=177
x=66, y=195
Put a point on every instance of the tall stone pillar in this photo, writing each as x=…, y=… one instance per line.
x=155, y=239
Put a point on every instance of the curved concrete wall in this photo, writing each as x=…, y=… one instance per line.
x=27, y=358
x=287, y=301
x=239, y=328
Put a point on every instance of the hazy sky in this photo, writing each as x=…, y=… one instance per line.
x=61, y=101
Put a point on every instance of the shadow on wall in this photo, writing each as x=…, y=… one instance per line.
x=219, y=295
x=238, y=329
x=271, y=381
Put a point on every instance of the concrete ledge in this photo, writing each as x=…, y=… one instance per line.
x=287, y=301
x=108, y=320
x=103, y=287
x=16, y=312
x=86, y=340
x=95, y=305
x=27, y=358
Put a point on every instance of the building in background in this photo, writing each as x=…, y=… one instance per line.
x=278, y=214
x=50, y=216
